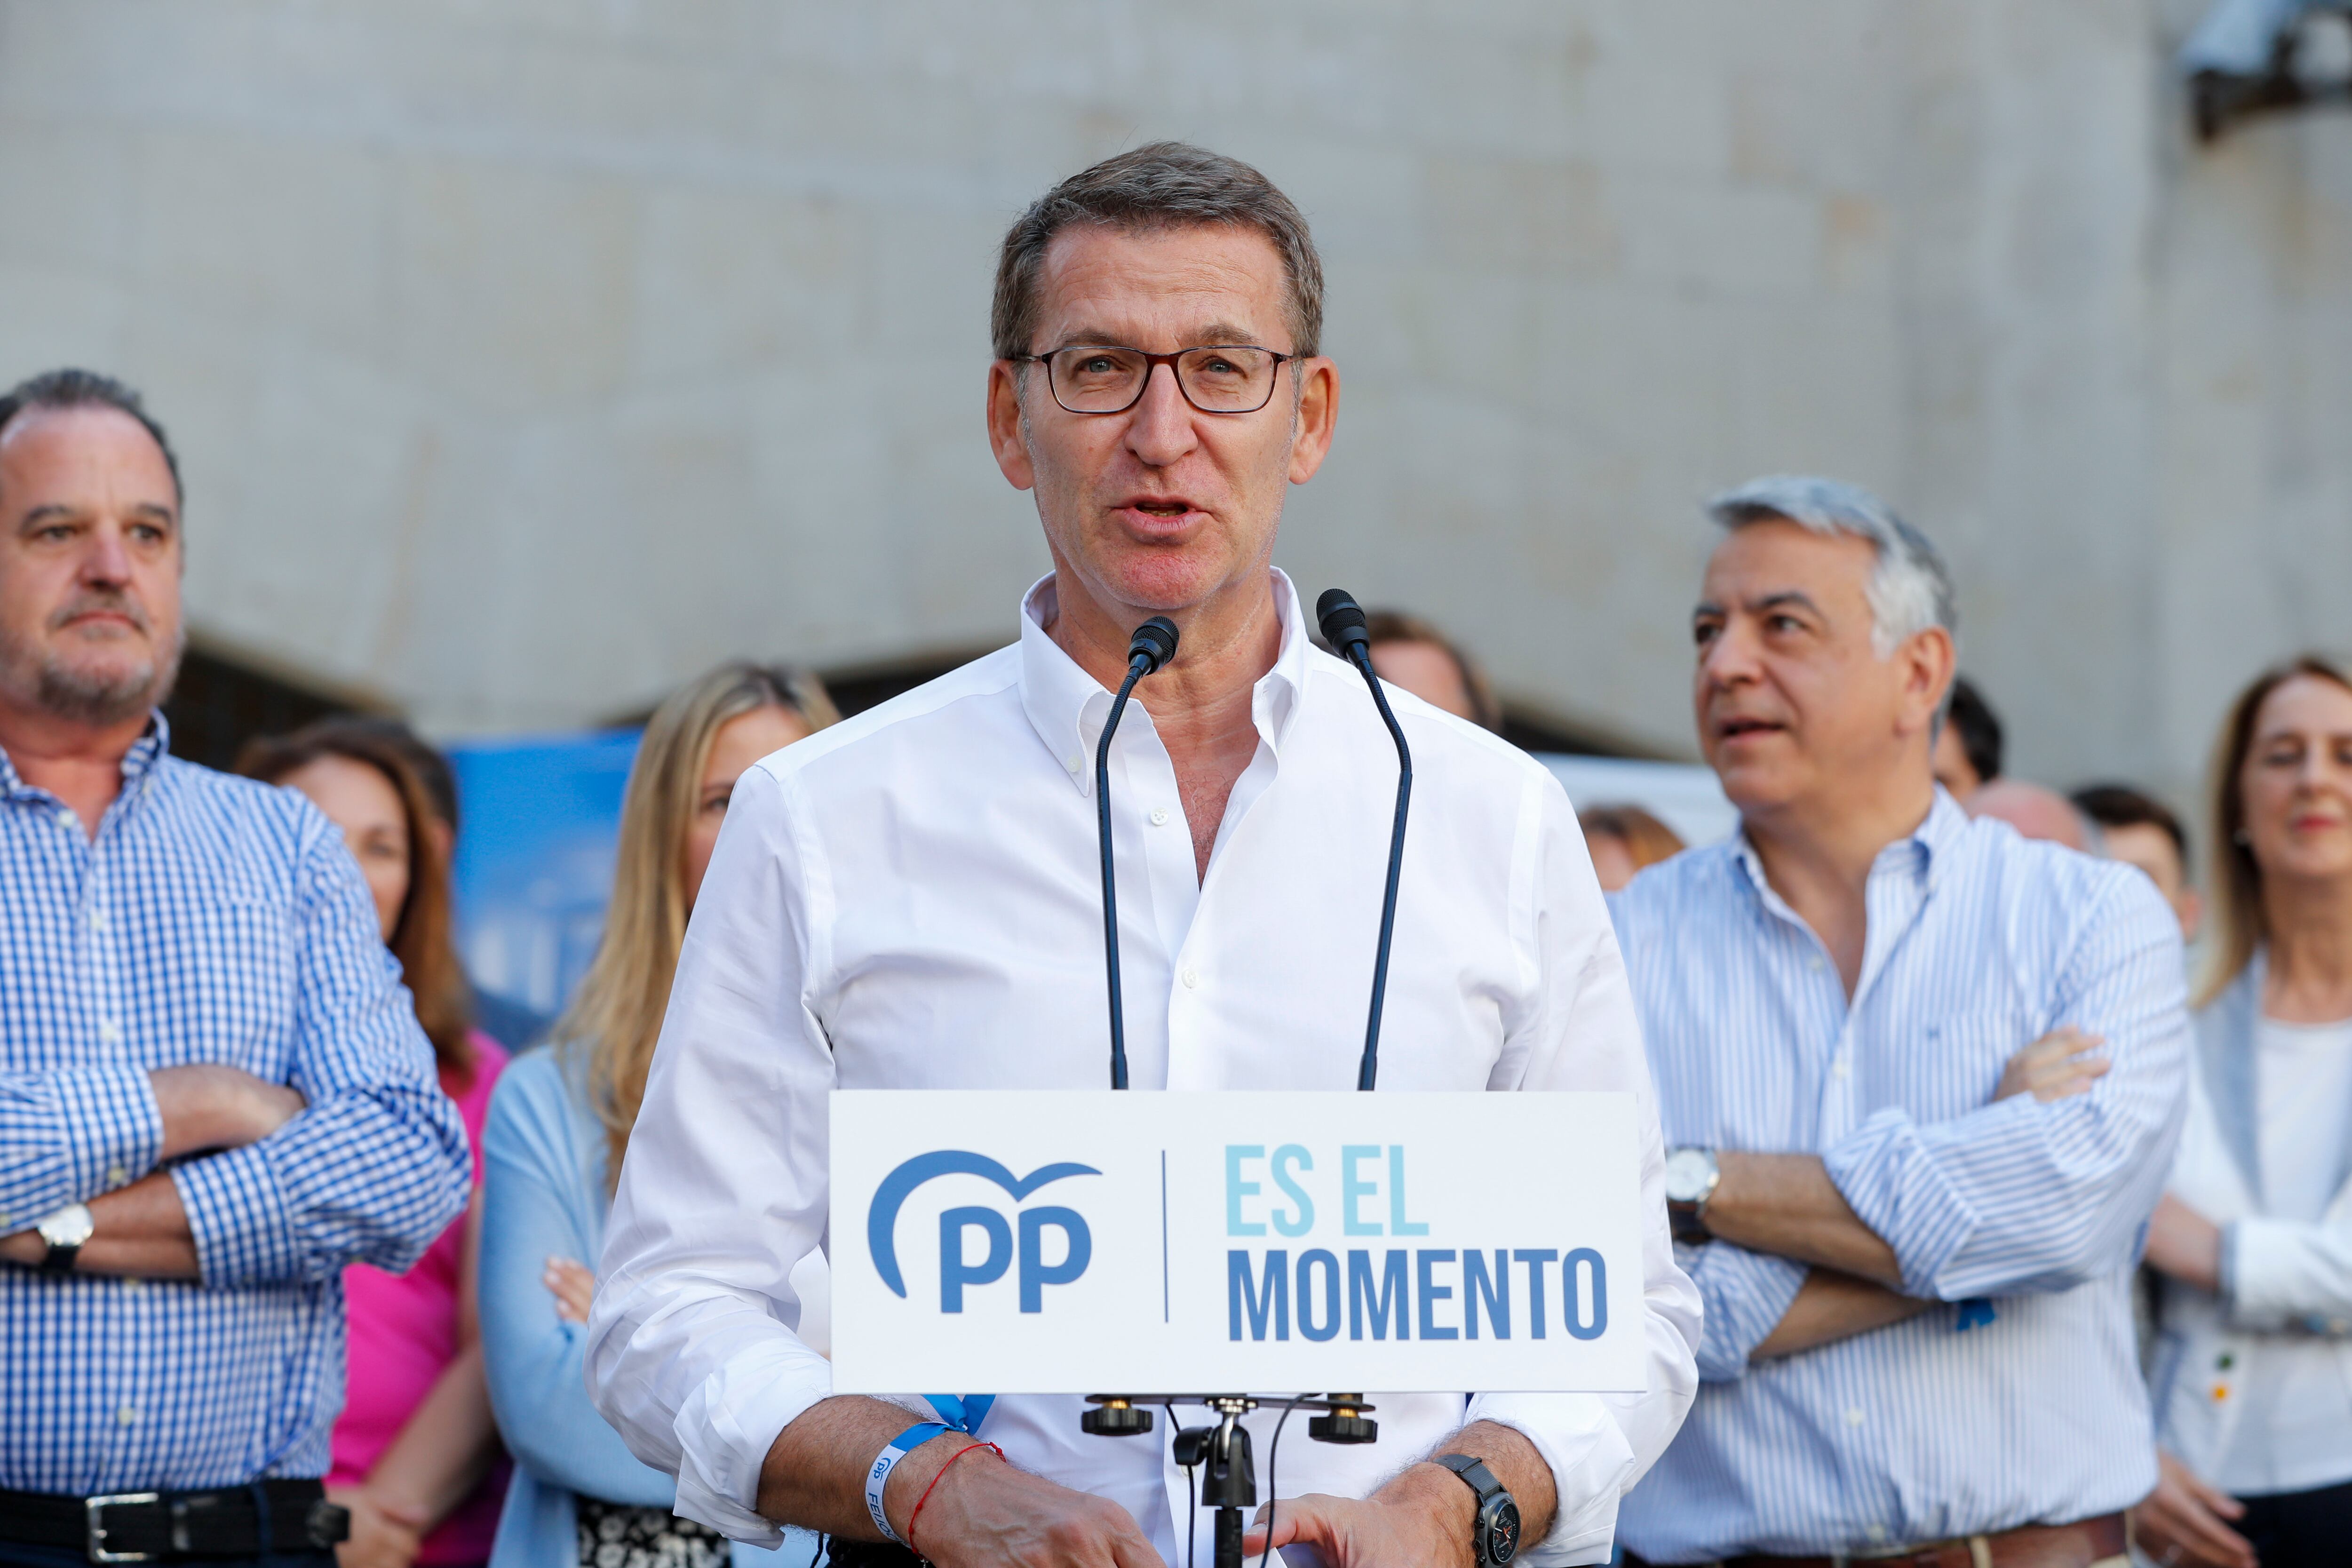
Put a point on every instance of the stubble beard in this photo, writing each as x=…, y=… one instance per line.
x=40, y=677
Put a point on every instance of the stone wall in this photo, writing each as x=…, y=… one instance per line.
x=527, y=357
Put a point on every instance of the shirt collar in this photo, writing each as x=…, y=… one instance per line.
x=152, y=746
x=1067, y=707
x=1923, y=854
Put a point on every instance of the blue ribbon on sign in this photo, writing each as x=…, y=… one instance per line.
x=962, y=1413
x=1975, y=1313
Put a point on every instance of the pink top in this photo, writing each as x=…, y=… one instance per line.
x=403, y=1333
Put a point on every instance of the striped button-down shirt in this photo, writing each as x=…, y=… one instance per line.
x=2019, y=1399
x=210, y=920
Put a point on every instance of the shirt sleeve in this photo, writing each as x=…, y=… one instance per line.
x=691, y=1351
x=1745, y=1295
x=2022, y=1197
x=376, y=1166
x=71, y=1134
x=1582, y=1033
x=531, y=1204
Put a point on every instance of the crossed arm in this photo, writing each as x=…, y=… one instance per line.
x=1787, y=1205
x=142, y=1227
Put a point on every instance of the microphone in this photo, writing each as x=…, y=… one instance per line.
x=1344, y=628
x=1153, y=645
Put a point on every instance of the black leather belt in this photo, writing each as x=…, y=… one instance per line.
x=154, y=1527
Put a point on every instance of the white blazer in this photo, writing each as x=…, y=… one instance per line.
x=2281, y=1277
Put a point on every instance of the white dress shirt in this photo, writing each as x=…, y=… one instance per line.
x=912, y=899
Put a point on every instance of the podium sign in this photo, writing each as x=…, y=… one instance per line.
x=1076, y=1242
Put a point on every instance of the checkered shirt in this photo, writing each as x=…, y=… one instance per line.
x=211, y=920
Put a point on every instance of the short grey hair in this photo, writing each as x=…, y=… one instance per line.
x=1165, y=185
x=1909, y=589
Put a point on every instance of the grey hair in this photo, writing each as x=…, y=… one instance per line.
x=1166, y=185
x=1909, y=589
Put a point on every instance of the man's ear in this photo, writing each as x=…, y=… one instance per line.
x=1008, y=435
x=2190, y=908
x=1929, y=662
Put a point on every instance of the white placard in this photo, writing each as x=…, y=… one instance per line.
x=1078, y=1242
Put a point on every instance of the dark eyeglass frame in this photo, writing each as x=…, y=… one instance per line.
x=1151, y=362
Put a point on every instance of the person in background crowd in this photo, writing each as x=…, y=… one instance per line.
x=416, y=1452
x=1413, y=653
x=1967, y=751
x=2253, y=1367
x=2140, y=830
x=2036, y=811
x=214, y=1093
x=1917, y=1331
x=1622, y=839
x=508, y=1021
x=561, y=1121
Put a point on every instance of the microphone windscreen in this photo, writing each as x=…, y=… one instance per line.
x=1343, y=620
x=1154, y=640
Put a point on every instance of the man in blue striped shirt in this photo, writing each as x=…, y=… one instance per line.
x=1919, y=1331
x=214, y=1093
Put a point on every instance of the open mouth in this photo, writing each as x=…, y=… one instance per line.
x=1740, y=728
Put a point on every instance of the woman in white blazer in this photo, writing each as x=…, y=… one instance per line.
x=2251, y=1377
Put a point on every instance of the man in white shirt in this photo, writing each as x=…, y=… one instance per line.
x=912, y=899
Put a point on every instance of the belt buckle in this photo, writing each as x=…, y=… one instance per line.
x=97, y=1506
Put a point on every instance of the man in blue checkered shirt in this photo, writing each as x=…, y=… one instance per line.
x=214, y=1093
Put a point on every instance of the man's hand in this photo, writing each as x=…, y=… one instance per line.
x=208, y=1106
x=985, y=1513
x=1422, y=1519
x=2180, y=1522
x=2185, y=1245
x=2055, y=1066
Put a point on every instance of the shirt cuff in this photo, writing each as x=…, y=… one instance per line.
x=1591, y=1462
x=1886, y=1172
x=237, y=1217
x=726, y=1426
x=1744, y=1295
x=116, y=1127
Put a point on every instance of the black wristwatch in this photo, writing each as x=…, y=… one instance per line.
x=1496, y=1538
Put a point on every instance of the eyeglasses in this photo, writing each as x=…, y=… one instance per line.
x=1222, y=378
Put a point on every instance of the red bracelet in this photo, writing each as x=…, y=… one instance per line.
x=913, y=1518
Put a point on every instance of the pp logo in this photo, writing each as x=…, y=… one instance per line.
x=956, y=1268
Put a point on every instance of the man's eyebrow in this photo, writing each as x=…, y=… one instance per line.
x=1706, y=607
x=1214, y=333
x=51, y=512
x=1786, y=597
x=156, y=510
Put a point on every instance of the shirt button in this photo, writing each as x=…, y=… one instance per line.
x=1853, y=1417
x=1877, y=1533
x=1192, y=977
x=133, y=1282
x=116, y=1175
x=127, y=1414
x=1838, y=1067
x=1815, y=963
x=110, y=1031
x=66, y=818
x=98, y=920
x=1158, y=816
x=1074, y=762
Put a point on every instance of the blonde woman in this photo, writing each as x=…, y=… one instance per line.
x=2252, y=1375
x=559, y=1125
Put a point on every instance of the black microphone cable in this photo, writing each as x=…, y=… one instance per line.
x=1154, y=643
x=1343, y=627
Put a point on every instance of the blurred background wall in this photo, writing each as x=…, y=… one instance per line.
x=527, y=357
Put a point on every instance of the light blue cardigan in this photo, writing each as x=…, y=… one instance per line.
x=543, y=1196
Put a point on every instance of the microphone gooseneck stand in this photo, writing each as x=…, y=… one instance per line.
x=1230, y=1485
x=1153, y=645
x=1344, y=628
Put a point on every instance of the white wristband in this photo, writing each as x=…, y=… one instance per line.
x=878, y=1473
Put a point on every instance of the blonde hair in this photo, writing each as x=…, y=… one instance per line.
x=615, y=1017
x=2241, y=926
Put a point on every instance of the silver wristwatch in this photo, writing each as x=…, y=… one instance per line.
x=1692, y=1176
x=66, y=1232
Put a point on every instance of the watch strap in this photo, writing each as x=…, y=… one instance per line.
x=1474, y=1472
